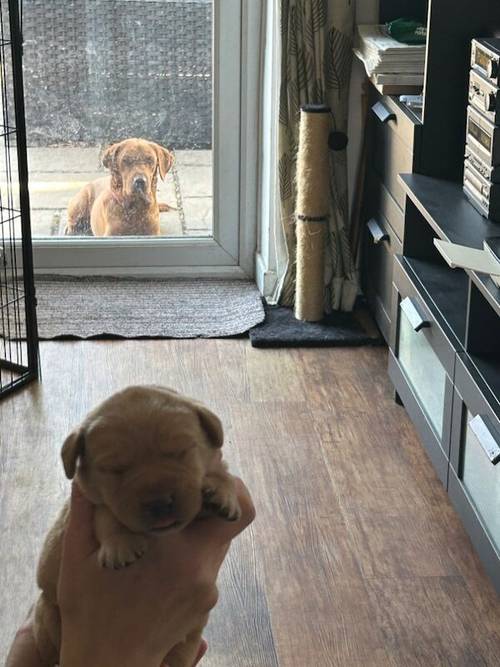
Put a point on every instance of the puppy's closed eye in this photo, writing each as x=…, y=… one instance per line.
x=178, y=456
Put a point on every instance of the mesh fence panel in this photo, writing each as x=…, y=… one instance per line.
x=98, y=71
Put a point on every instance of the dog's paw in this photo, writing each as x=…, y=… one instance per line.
x=121, y=550
x=219, y=497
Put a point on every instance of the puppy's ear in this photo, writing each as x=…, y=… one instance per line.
x=71, y=450
x=165, y=160
x=109, y=156
x=212, y=426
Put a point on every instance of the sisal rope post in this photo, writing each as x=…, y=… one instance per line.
x=312, y=212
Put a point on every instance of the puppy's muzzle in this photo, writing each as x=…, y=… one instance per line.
x=158, y=510
x=159, y=513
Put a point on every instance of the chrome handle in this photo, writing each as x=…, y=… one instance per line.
x=411, y=312
x=487, y=436
x=383, y=113
x=378, y=234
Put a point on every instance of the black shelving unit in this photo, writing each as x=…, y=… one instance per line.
x=18, y=329
x=442, y=325
x=460, y=312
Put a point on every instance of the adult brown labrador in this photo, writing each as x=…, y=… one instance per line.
x=124, y=203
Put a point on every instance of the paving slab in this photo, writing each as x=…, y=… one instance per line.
x=58, y=173
x=199, y=213
x=196, y=181
x=72, y=159
x=194, y=158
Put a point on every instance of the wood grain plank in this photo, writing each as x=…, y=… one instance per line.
x=242, y=604
x=431, y=622
x=310, y=571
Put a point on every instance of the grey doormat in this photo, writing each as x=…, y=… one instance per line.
x=97, y=307
x=281, y=329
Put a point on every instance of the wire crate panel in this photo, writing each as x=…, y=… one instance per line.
x=18, y=332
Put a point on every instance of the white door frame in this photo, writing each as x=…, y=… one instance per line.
x=231, y=250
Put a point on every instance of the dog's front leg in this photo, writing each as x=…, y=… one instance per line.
x=119, y=546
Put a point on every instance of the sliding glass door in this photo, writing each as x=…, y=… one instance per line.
x=134, y=131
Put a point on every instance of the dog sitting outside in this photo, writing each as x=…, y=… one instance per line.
x=124, y=203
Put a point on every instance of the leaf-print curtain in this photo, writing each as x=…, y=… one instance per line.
x=316, y=48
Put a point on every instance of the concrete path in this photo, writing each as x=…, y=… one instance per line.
x=57, y=173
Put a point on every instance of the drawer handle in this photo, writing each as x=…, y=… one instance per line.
x=378, y=234
x=411, y=312
x=383, y=113
x=487, y=437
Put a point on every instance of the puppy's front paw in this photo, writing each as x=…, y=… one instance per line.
x=120, y=550
x=219, y=497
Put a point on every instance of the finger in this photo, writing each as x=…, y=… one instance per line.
x=79, y=540
x=201, y=652
x=24, y=650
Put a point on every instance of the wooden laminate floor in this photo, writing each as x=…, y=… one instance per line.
x=356, y=557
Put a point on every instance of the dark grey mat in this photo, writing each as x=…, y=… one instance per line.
x=281, y=329
x=97, y=307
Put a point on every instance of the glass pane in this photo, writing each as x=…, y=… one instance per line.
x=482, y=480
x=98, y=73
x=424, y=371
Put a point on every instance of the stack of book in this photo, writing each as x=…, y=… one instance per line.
x=392, y=66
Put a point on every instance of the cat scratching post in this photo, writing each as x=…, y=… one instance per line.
x=313, y=207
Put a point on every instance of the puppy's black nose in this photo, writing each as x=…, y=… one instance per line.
x=159, y=508
x=140, y=183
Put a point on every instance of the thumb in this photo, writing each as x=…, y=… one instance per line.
x=79, y=540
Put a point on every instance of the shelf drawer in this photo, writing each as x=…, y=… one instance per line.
x=380, y=200
x=422, y=365
x=391, y=157
x=381, y=243
x=475, y=462
x=398, y=118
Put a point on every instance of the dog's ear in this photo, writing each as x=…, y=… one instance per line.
x=109, y=156
x=165, y=160
x=212, y=426
x=71, y=450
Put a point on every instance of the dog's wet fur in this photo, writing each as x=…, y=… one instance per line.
x=124, y=203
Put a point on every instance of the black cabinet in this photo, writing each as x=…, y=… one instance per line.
x=442, y=325
x=445, y=355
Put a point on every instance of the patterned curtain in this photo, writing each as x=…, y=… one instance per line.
x=316, y=60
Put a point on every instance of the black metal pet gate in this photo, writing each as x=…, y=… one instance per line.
x=18, y=330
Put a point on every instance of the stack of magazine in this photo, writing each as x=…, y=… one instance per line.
x=392, y=66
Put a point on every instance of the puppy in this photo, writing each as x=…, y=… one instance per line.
x=123, y=204
x=147, y=458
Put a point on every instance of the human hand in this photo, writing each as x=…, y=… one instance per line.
x=24, y=653
x=137, y=615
